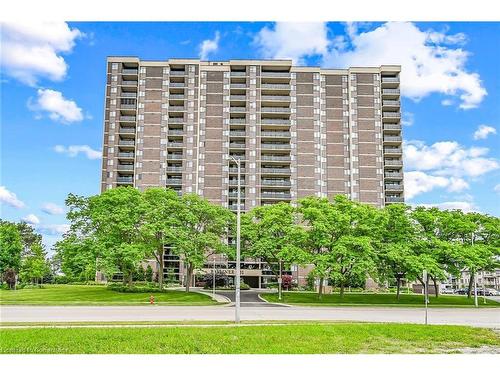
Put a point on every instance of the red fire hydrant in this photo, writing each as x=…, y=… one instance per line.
x=152, y=299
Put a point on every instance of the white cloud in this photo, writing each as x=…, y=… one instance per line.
x=53, y=229
x=408, y=119
x=456, y=205
x=31, y=219
x=209, y=46
x=32, y=50
x=496, y=189
x=447, y=102
x=59, y=108
x=448, y=158
x=417, y=182
x=431, y=61
x=52, y=209
x=10, y=198
x=483, y=131
x=293, y=40
x=73, y=151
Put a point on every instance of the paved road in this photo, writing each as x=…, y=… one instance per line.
x=484, y=317
x=248, y=298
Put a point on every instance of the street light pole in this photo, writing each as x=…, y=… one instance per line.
x=426, y=291
x=238, y=255
x=213, y=280
x=475, y=289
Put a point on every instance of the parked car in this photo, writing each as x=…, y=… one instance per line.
x=488, y=292
x=462, y=291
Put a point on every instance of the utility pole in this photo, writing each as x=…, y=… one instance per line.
x=425, y=293
x=280, y=283
x=238, y=255
x=475, y=289
x=213, y=280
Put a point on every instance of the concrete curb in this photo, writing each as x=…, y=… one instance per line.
x=217, y=297
x=273, y=303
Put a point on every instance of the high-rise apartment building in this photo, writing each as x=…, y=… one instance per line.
x=298, y=131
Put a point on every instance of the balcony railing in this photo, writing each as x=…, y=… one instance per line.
x=275, y=134
x=276, y=182
x=276, y=74
x=238, y=97
x=128, y=94
x=270, y=121
x=237, y=121
x=177, y=84
x=234, y=207
x=238, y=74
x=275, y=158
x=390, y=79
x=238, y=109
x=393, y=163
x=234, y=194
x=237, y=133
x=129, y=83
x=276, y=195
x=125, y=167
x=174, y=156
x=128, y=155
x=175, y=132
x=127, y=142
x=176, y=108
x=392, y=139
x=275, y=86
x=391, y=103
x=127, y=130
x=391, y=114
x=394, y=187
x=127, y=118
x=275, y=170
x=127, y=106
x=275, y=109
x=129, y=71
x=393, y=175
x=236, y=145
x=275, y=97
x=235, y=170
x=124, y=179
x=174, y=181
x=394, y=199
x=235, y=181
x=392, y=127
x=392, y=150
x=176, y=96
x=275, y=146
x=390, y=91
x=238, y=85
x=176, y=120
x=174, y=144
x=177, y=73
x=237, y=157
x=174, y=169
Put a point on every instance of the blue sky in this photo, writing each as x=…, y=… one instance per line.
x=53, y=78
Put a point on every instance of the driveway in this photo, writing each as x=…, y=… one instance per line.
x=248, y=298
x=484, y=317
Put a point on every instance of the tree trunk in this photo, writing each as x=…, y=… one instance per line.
x=471, y=284
x=436, y=291
x=320, y=288
x=160, y=267
x=398, y=288
x=189, y=276
x=342, y=287
x=130, y=275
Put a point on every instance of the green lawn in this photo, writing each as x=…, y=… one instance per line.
x=354, y=299
x=310, y=338
x=96, y=295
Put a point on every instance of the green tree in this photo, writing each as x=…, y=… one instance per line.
x=35, y=265
x=202, y=228
x=159, y=221
x=149, y=273
x=116, y=215
x=341, y=238
x=11, y=248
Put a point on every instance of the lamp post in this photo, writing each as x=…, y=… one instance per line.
x=426, y=291
x=213, y=280
x=238, y=255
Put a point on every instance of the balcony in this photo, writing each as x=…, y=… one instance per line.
x=175, y=132
x=235, y=170
x=234, y=194
x=125, y=167
x=393, y=150
x=128, y=94
x=238, y=74
x=272, y=121
x=275, y=146
x=126, y=130
x=391, y=115
x=178, y=73
x=129, y=83
x=174, y=169
x=176, y=108
x=238, y=85
x=127, y=106
x=390, y=81
x=238, y=97
x=279, y=98
x=234, y=207
x=393, y=163
x=275, y=158
x=391, y=103
x=177, y=84
x=126, y=155
x=237, y=156
x=174, y=181
x=176, y=120
x=275, y=86
x=396, y=175
x=276, y=182
x=234, y=182
x=394, y=199
x=126, y=142
x=127, y=118
x=238, y=109
x=268, y=195
x=276, y=74
x=274, y=134
x=393, y=139
x=174, y=156
x=237, y=121
x=266, y=170
x=129, y=71
x=390, y=92
x=395, y=127
x=275, y=109
x=393, y=187
x=237, y=133
x=124, y=179
x=174, y=144
x=176, y=96
x=236, y=145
